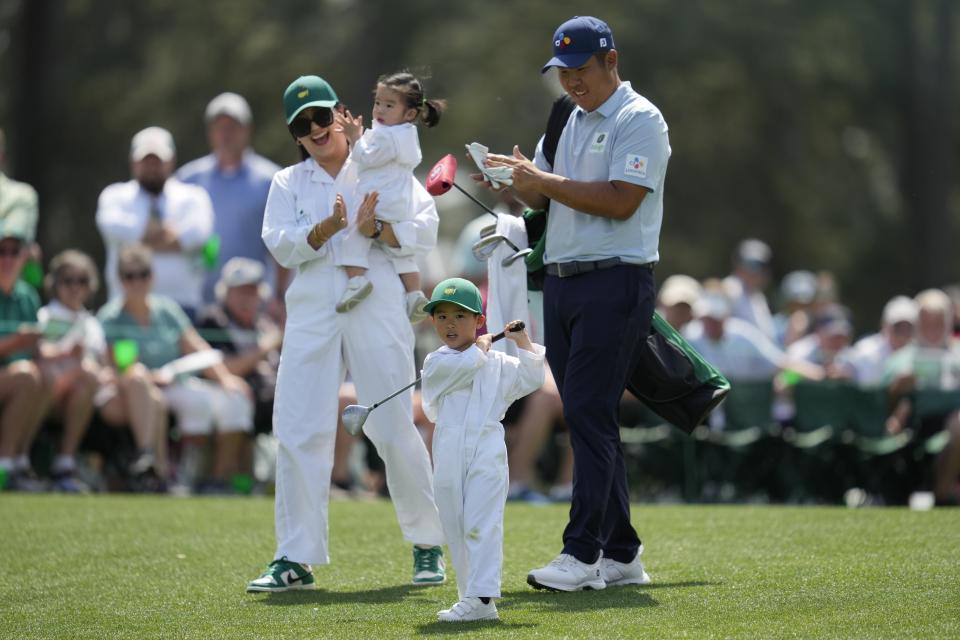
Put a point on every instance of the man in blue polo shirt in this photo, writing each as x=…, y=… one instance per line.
x=238, y=180
x=605, y=193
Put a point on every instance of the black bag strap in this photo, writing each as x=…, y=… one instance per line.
x=559, y=114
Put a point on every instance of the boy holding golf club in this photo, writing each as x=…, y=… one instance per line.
x=467, y=388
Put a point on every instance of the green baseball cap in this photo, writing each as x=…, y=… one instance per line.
x=308, y=91
x=458, y=291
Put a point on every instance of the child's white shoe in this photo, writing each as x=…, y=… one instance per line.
x=358, y=288
x=469, y=610
x=416, y=301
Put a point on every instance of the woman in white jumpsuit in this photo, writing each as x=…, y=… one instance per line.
x=308, y=205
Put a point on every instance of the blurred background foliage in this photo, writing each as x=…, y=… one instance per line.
x=822, y=127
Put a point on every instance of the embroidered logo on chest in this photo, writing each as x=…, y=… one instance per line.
x=599, y=143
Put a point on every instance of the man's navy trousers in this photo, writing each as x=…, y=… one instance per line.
x=592, y=322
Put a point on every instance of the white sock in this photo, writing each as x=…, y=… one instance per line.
x=63, y=464
x=21, y=462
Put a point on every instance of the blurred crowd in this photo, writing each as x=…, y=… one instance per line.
x=168, y=387
x=807, y=336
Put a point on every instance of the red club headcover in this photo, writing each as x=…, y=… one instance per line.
x=441, y=176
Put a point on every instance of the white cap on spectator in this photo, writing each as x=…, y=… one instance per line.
x=679, y=288
x=229, y=104
x=753, y=253
x=155, y=141
x=713, y=305
x=238, y=272
x=900, y=309
x=799, y=286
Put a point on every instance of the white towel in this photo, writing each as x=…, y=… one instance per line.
x=507, y=288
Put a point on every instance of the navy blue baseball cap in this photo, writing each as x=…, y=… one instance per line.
x=577, y=39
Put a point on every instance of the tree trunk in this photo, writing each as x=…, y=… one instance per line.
x=926, y=164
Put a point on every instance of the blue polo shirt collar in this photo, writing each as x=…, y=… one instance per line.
x=611, y=104
x=241, y=170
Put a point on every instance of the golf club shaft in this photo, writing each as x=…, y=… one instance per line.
x=518, y=327
x=488, y=210
x=485, y=207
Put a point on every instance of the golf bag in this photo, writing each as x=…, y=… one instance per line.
x=667, y=373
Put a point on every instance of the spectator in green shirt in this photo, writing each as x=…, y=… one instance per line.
x=163, y=333
x=23, y=396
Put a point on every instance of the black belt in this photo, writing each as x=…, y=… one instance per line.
x=567, y=269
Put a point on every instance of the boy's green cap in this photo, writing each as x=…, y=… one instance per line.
x=460, y=292
x=307, y=91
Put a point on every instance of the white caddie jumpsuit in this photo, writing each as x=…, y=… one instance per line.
x=466, y=393
x=374, y=341
x=385, y=157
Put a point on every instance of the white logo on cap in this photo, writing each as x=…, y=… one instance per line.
x=603, y=42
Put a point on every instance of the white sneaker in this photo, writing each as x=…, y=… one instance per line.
x=469, y=609
x=616, y=574
x=358, y=288
x=416, y=301
x=566, y=573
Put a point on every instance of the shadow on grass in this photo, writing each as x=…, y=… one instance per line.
x=456, y=628
x=629, y=596
x=327, y=598
x=677, y=585
x=613, y=598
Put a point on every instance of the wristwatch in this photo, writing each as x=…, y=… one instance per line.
x=378, y=228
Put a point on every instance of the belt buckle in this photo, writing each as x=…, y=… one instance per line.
x=567, y=269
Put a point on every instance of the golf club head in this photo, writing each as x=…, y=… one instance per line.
x=513, y=257
x=353, y=417
x=488, y=230
x=440, y=178
x=484, y=247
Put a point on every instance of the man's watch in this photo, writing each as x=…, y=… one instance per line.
x=378, y=228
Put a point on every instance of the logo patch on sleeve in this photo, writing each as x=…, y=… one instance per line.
x=636, y=165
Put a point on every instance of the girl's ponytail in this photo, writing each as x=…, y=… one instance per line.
x=431, y=110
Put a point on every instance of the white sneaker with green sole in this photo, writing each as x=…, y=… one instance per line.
x=283, y=575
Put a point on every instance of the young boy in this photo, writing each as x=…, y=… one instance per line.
x=467, y=388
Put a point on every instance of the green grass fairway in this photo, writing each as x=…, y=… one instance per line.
x=143, y=567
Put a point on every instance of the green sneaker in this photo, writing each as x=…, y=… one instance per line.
x=283, y=575
x=428, y=567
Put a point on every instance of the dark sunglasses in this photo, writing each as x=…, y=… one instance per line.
x=82, y=281
x=10, y=252
x=136, y=275
x=301, y=124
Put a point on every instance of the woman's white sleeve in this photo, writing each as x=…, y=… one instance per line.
x=284, y=237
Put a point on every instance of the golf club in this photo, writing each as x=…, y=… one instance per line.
x=485, y=246
x=355, y=415
x=440, y=180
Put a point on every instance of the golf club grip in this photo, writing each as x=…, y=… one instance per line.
x=517, y=327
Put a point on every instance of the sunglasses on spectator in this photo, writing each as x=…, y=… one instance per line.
x=80, y=281
x=10, y=252
x=301, y=124
x=130, y=276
